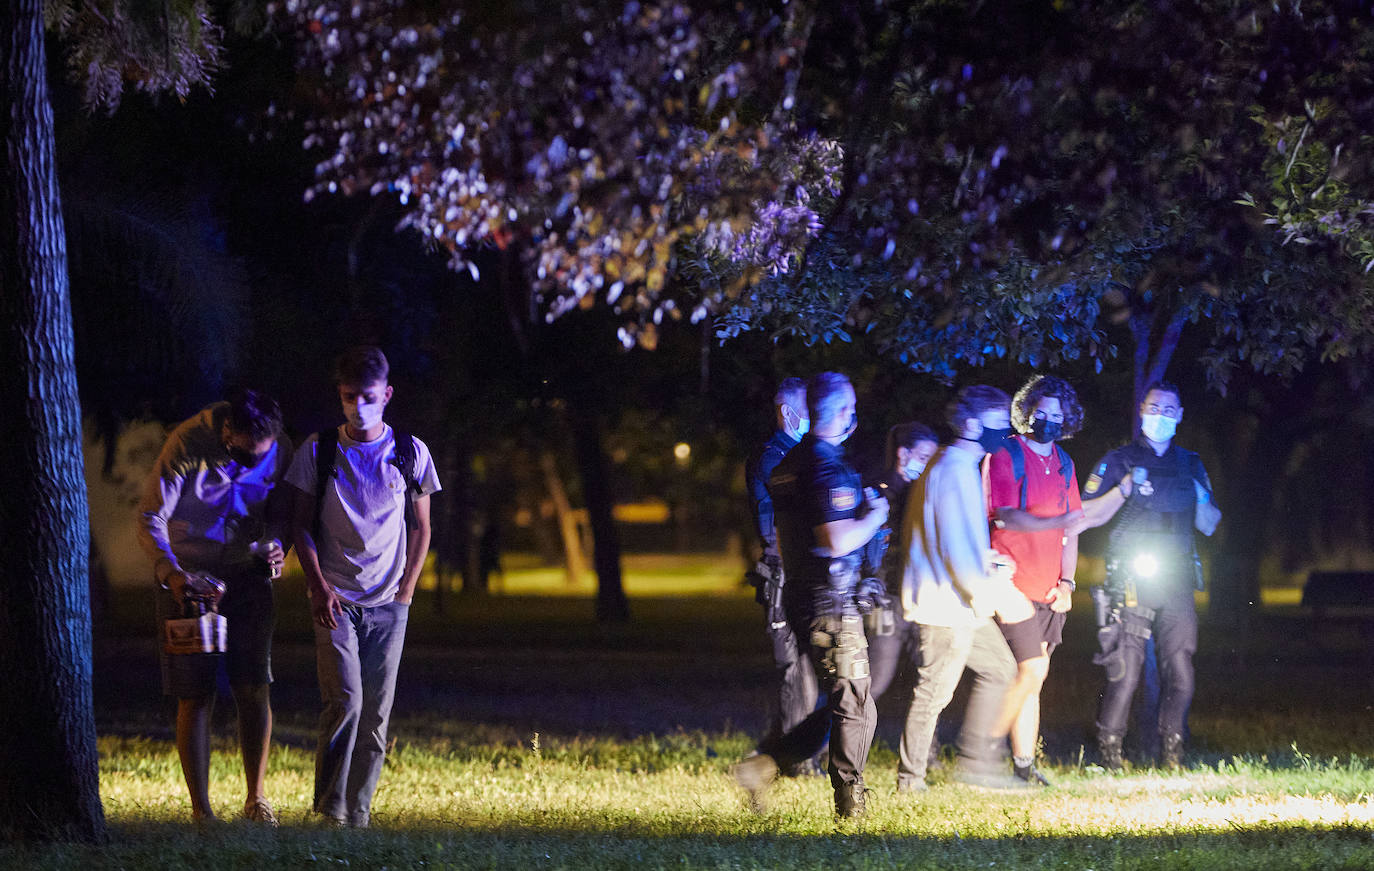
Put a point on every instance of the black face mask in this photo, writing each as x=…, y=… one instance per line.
x=992, y=439
x=1045, y=431
x=244, y=458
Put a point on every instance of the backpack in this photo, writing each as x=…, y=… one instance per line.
x=326, y=454
x=1018, y=467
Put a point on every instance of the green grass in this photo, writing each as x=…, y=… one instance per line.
x=528, y=737
x=486, y=801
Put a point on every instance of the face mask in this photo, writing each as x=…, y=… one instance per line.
x=853, y=425
x=798, y=429
x=363, y=417
x=244, y=458
x=992, y=439
x=1045, y=431
x=1157, y=427
x=913, y=469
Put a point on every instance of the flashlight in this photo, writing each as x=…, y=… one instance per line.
x=1144, y=565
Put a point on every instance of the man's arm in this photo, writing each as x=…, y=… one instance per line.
x=417, y=548
x=840, y=537
x=325, y=607
x=1207, y=515
x=1023, y=521
x=1102, y=509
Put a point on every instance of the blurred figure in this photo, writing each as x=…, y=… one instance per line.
x=952, y=586
x=824, y=519
x=1037, y=515
x=211, y=506
x=894, y=641
x=796, y=690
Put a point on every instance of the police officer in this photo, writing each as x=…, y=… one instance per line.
x=796, y=680
x=1154, y=494
x=824, y=519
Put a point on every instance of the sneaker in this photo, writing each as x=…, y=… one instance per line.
x=260, y=811
x=988, y=779
x=1171, y=751
x=1030, y=774
x=755, y=774
x=850, y=801
x=1109, y=751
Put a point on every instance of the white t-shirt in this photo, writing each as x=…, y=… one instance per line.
x=362, y=546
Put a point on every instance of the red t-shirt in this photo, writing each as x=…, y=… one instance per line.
x=1036, y=554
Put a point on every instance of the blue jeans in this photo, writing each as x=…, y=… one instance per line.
x=357, y=663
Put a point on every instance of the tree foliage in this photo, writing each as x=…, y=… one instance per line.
x=959, y=182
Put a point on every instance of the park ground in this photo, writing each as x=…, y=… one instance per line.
x=527, y=736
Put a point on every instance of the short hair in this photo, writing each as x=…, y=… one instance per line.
x=792, y=391
x=907, y=435
x=1163, y=387
x=253, y=414
x=1040, y=387
x=361, y=364
x=822, y=396
x=971, y=402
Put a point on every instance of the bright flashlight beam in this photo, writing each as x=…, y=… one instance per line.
x=1145, y=565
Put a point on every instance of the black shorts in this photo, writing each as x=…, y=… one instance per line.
x=1046, y=627
x=251, y=613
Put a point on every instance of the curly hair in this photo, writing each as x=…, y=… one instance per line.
x=1040, y=387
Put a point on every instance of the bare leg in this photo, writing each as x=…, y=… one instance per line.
x=255, y=735
x=1030, y=675
x=193, y=746
x=1025, y=729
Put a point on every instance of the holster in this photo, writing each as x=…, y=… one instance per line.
x=840, y=646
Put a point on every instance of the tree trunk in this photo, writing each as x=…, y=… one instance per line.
x=574, y=563
x=49, y=774
x=595, y=468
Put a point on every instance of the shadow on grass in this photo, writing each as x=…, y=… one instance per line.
x=437, y=845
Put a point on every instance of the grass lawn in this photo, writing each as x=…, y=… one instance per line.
x=528, y=737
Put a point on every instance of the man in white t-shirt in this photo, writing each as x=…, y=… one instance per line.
x=362, y=540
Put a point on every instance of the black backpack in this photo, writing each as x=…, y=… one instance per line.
x=1018, y=467
x=326, y=454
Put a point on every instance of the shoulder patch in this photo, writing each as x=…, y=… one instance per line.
x=1101, y=469
x=1094, y=481
x=843, y=498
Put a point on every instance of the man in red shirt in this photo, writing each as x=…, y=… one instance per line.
x=1037, y=514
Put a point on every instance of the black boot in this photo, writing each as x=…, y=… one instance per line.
x=1109, y=751
x=849, y=800
x=1171, y=750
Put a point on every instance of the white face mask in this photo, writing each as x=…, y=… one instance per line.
x=363, y=417
x=1157, y=427
x=913, y=469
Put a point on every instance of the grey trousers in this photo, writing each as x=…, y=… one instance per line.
x=357, y=664
x=945, y=653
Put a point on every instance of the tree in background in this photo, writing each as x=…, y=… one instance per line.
x=50, y=787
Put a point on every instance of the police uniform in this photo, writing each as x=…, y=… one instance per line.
x=1156, y=524
x=812, y=486
x=796, y=681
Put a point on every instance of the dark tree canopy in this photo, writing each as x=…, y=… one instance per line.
x=960, y=182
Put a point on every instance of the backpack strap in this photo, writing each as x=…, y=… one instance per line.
x=1018, y=470
x=1065, y=465
x=405, y=458
x=1018, y=467
x=326, y=457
